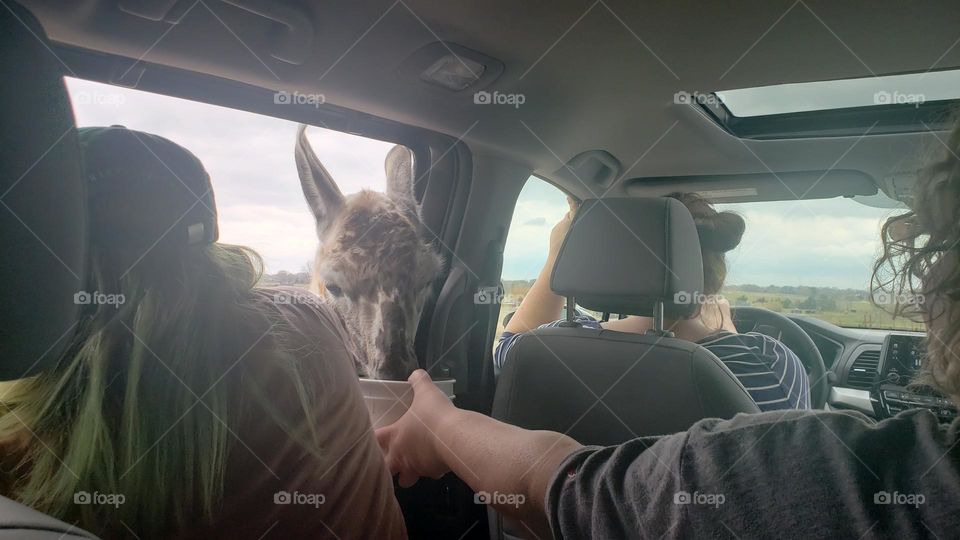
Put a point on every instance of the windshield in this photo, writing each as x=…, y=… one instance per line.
x=812, y=258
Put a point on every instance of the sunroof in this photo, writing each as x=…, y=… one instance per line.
x=911, y=88
x=841, y=108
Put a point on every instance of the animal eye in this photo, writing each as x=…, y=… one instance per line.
x=333, y=289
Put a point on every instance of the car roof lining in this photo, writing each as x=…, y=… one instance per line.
x=595, y=77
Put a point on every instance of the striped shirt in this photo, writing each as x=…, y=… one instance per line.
x=772, y=374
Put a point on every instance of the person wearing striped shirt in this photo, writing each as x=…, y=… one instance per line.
x=771, y=373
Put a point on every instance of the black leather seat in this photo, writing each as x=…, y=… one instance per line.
x=42, y=226
x=633, y=257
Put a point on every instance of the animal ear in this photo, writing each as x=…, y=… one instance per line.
x=323, y=195
x=399, y=167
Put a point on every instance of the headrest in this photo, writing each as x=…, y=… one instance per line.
x=623, y=255
x=43, y=210
x=146, y=193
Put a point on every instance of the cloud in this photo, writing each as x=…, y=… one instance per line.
x=821, y=243
x=250, y=161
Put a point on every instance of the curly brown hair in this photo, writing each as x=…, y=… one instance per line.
x=919, y=264
x=719, y=232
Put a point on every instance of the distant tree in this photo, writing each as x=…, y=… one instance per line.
x=809, y=303
x=786, y=303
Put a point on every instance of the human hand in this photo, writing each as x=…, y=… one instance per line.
x=411, y=445
x=559, y=231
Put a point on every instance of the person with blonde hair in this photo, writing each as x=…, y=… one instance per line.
x=191, y=403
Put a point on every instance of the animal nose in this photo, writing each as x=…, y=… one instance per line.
x=399, y=358
x=398, y=369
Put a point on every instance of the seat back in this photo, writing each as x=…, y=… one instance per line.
x=43, y=234
x=19, y=522
x=42, y=202
x=603, y=387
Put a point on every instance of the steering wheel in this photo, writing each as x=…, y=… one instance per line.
x=775, y=325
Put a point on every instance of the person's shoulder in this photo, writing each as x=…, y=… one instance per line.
x=725, y=337
x=802, y=423
x=305, y=325
x=296, y=305
x=762, y=343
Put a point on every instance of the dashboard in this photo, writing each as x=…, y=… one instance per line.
x=901, y=359
x=872, y=370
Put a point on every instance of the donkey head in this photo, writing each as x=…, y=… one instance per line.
x=375, y=265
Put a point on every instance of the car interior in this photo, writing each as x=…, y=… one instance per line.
x=615, y=104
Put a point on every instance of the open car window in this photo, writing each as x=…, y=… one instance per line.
x=250, y=161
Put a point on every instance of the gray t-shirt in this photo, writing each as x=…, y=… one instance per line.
x=789, y=474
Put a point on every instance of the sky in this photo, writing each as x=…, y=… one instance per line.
x=818, y=243
x=250, y=161
x=821, y=243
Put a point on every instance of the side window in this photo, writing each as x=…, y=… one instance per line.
x=250, y=161
x=539, y=207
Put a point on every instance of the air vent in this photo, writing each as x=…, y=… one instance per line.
x=863, y=372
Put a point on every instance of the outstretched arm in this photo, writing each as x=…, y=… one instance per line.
x=541, y=305
x=434, y=437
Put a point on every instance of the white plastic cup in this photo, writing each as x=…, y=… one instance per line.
x=388, y=400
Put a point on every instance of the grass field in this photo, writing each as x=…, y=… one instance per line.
x=842, y=307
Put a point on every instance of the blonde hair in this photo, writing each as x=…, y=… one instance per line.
x=144, y=403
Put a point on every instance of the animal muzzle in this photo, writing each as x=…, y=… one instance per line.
x=397, y=357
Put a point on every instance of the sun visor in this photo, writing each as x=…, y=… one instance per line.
x=759, y=187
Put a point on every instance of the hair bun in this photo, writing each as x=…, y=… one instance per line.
x=720, y=232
